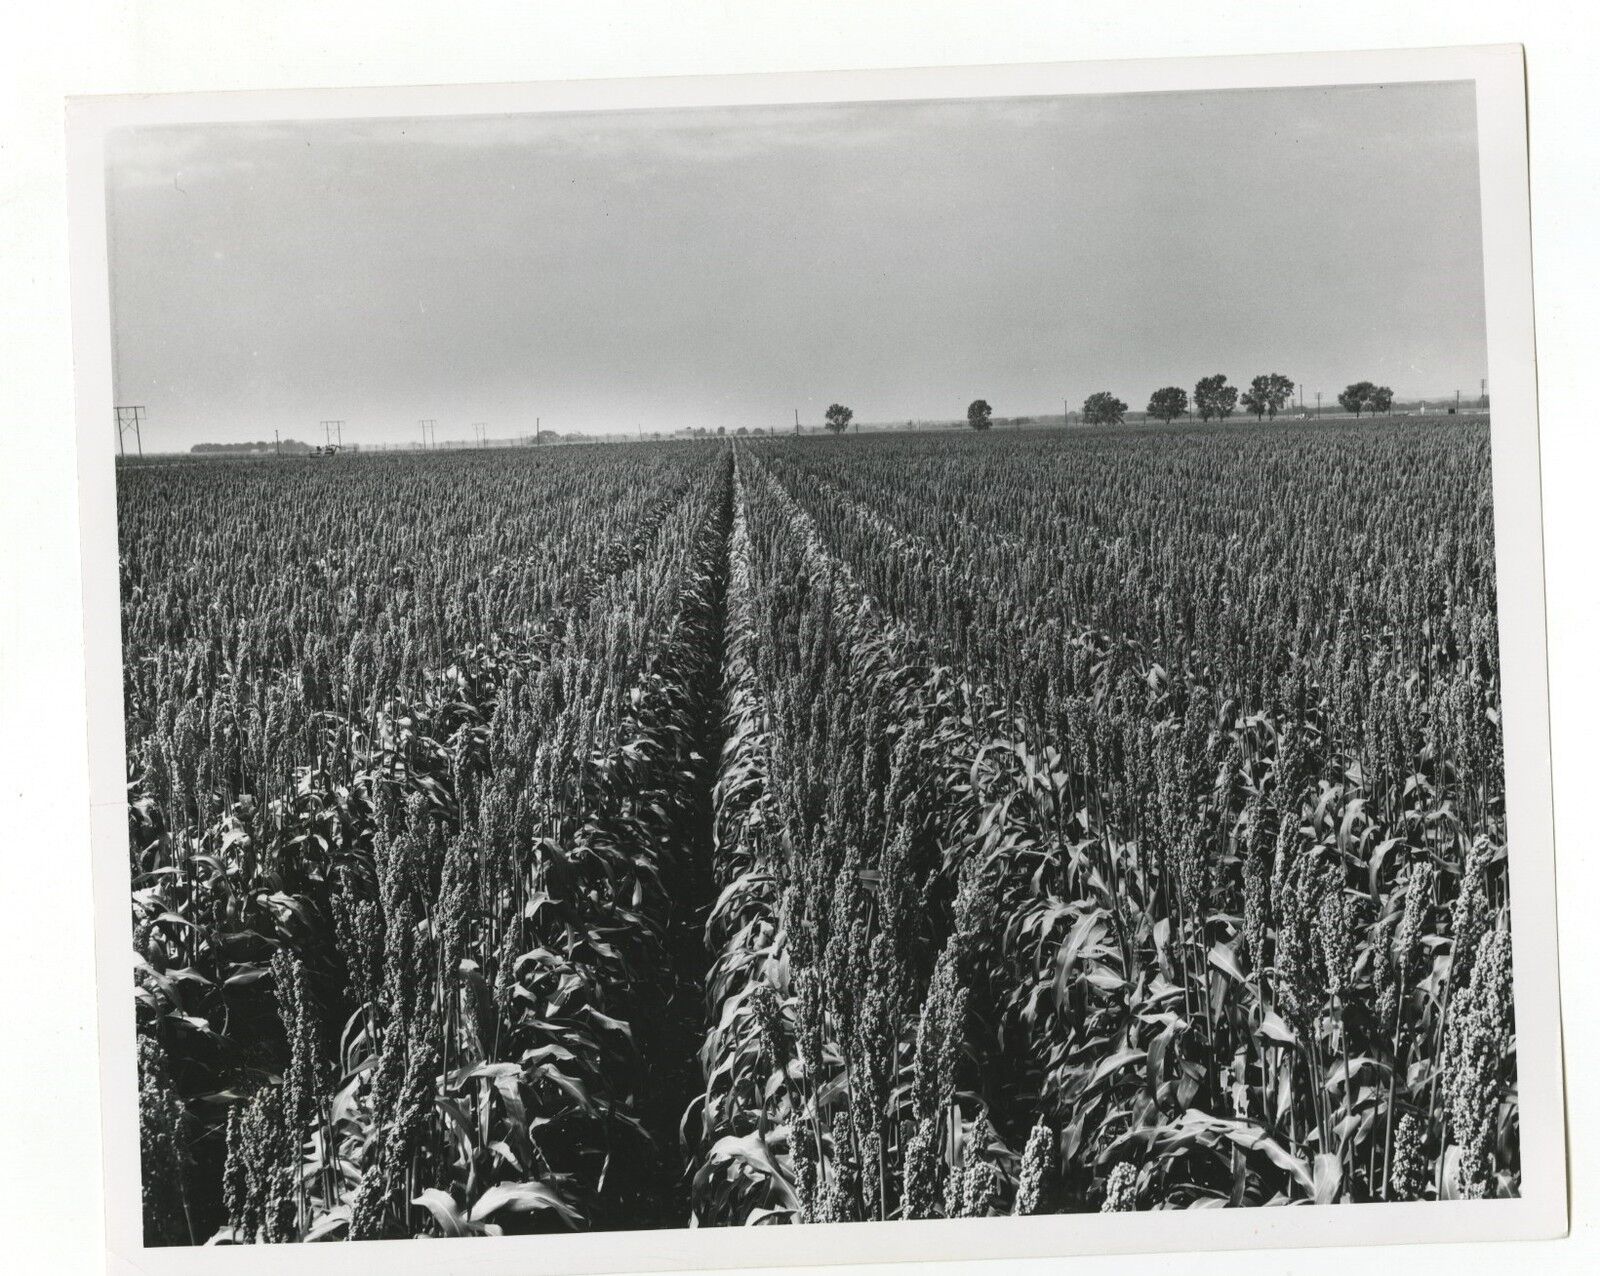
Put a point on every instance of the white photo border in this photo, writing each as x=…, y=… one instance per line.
x=1540, y=1211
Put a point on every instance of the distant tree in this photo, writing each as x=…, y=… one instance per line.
x=1382, y=398
x=722, y=430
x=1214, y=397
x=1103, y=408
x=979, y=413
x=741, y=431
x=1168, y=402
x=1357, y=396
x=839, y=418
x=1267, y=394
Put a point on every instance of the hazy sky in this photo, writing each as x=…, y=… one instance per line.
x=723, y=267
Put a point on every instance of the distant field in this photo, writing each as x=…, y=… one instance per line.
x=784, y=830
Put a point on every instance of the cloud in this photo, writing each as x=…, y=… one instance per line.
x=156, y=156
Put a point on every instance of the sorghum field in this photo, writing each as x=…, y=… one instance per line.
x=796, y=830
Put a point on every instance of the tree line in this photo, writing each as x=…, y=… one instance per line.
x=290, y=446
x=1214, y=400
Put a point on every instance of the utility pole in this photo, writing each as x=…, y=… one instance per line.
x=480, y=432
x=1319, y=402
x=430, y=433
x=1483, y=392
x=277, y=443
x=797, y=423
x=130, y=418
x=1458, y=402
x=332, y=432
x=536, y=437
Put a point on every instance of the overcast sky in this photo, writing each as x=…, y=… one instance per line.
x=723, y=267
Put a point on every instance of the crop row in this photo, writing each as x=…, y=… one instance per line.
x=1233, y=965
x=411, y=983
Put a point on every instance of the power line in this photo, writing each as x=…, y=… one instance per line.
x=130, y=417
x=430, y=433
